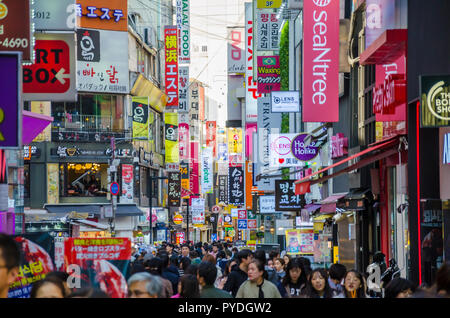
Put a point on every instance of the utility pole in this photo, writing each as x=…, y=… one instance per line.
x=113, y=168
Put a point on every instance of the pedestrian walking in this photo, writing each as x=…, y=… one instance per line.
x=399, y=288
x=272, y=274
x=238, y=273
x=294, y=281
x=188, y=287
x=207, y=273
x=223, y=279
x=354, y=286
x=279, y=267
x=210, y=258
x=49, y=287
x=221, y=260
x=155, y=267
x=145, y=285
x=9, y=263
x=184, y=263
x=336, y=277
x=287, y=258
x=257, y=285
x=170, y=271
x=318, y=286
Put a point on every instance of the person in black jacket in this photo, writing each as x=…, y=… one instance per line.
x=238, y=273
x=170, y=272
x=272, y=273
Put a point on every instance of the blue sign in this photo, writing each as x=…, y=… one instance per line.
x=242, y=224
x=213, y=237
x=114, y=189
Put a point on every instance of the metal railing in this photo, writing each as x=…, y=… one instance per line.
x=84, y=122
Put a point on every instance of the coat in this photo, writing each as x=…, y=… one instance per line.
x=250, y=289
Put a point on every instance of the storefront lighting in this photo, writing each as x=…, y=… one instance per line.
x=78, y=167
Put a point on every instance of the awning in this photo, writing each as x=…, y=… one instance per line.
x=323, y=217
x=386, y=49
x=143, y=88
x=354, y=200
x=384, y=149
x=329, y=204
x=312, y=207
x=91, y=224
x=32, y=125
x=128, y=210
x=78, y=208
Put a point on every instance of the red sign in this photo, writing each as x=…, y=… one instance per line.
x=252, y=224
x=211, y=135
x=321, y=61
x=339, y=146
x=77, y=250
x=180, y=238
x=51, y=71
x=242, y=214
x=193, y=169
x=390, y=94
x=171, y=58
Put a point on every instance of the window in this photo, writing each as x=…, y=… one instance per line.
x=204, y=48
x=26, y=180
x=83, y=179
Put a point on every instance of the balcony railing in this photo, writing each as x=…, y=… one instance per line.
x=84, y=122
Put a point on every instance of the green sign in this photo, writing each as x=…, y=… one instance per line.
x=435, y=101
x=251, y=215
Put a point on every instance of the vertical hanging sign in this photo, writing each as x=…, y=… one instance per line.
x=183, y=91
x=207, y=170
x=171, y=59
x=321, y=61
x=268, y=30
x=171, y=138
x=174, y=188
x=183, y=139
x=211, y=136
x=236, y=185
x=193, y=169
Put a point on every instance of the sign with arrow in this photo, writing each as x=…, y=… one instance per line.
x=52, y=76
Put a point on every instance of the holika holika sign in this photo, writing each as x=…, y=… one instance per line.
x=435, y=101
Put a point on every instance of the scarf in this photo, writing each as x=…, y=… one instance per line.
x=261, y=293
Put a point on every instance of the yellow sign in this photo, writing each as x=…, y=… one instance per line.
x=178, y=219
x=140, y=116
x=143, y=87
x=265, y=4
x=335, y=254
x=234, y=140
x=171, y=136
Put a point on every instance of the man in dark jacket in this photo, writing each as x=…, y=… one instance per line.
x=272, y=273
x=170, y=272
x=238, y=274
x=206, y=276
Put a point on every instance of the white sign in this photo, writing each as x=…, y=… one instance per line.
x=183, y=20
x=285, y=101
x=207, y=170
x=283, y=225
x=280, y=151
x=236, y=53
x=198, y=210
x=267, y=204
x=57, y=15
x=183, y=91
x=110, y=73
x=267, y=37
x=446, y=149
x=295, y=4
x=234, y=213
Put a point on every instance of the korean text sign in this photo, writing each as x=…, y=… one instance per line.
x=15, y=26
x=174, y=188
x=269, y=74
x=183, y=20
x=183, y=88
x=171, y=59
x=110, y=73
x=268, y=30
x=171, y=137
x=285, y=197
x=321, y=61
x=102, y=14
x=236, y=185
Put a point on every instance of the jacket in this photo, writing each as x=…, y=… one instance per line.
x=210, y=291
x=171, y=274
x=291, y=290
x=250, y=289
x=167, y=288
x=235, y=279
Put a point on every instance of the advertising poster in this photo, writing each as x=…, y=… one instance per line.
x=102, y=66
x=140, y=115
x=236, y=54
x=174, y=188
x=184, y=172
x=171, y=138
x=269, y=74
x=52, y=183
x=183, y=89
x=300, y=242
x=285, y=197
x=268, y=27
x=36, y=261
x=171, y=63
x=127, y=184
x=194, y=183
x=236, y=185
x=321, y=61
x=183, y=20
x=223, y=189
x=198, y=210
x=103, y=262
x=211, y=136
x=234, y=140
x=207, y=170
x=183, y=140
x=280, y=154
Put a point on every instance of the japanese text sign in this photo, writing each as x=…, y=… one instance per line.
x=269, y=74
x=80, y=249
x=102, y=14
x=242, y=224
x=285, y=198
x=171, y=62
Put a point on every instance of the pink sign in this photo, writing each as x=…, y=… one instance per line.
x=339, y=146
x=211, y=136
x=193, y=167
x=321, y=61
x=183, y=139
x=250, y=128
x=269, y=74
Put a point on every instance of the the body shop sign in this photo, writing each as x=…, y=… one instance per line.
x=435, y=101
x=321, y=60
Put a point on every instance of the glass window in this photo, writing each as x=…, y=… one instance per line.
x=26, y=180
x=83, y=179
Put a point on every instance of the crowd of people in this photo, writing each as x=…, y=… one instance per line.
x=221, y=270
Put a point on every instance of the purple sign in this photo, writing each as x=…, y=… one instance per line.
x=10, y=100
x=301, y=151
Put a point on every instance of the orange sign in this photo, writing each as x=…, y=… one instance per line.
x=248, y=185
x=178, y=219
x=102, y=14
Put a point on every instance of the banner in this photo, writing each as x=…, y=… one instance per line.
x=211, y=136
x=207, y=170
x=268, y=26
x=222, y=154
x=140, y=115
x=198, y=210
x=43, y=108
x=223, y=189
x=183, y=20
x=234, y=140
x=183, y=139
x=251, y=86
x=300, y=241
x=236, y=185
x=236, y=54
x=103, y=261
x=171, y=138
x=269, y=74
x=267, y=204
x=183, y=89
x=285, y=197
x=171, y=62
x=184, y=171
x=321, y=61
x=248, y=184
x=193, y=169
x=285, y=101
x=127, y=184
x=174, y=188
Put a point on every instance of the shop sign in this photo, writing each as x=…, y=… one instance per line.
x=285, y=101
x=55, y=15
x=10, y=107
x=285, y=197
x=184, y=171
x=171, y=137
x=171, y=64
x=183, y=89
x=236, y=185
x=127, y=184
x=183, y=20
x=227, y=220
x=242, y=224
x=380, y=16
x=194, y=185
x=31, y=151
x=52, y=76
x=180, y=238
x=88, y=136
x=267, y=204
x=207, y=170
x=15, y=28
x=280, y=154
x=252, y=95
x=183, y=141
x=252, y=224
x=222, y=152
x=301, y=151
x=236, y=54
x=389, y=95
x=211, y=136
x=264, y=4
x=174, y=188
x=321, y=60
x=435, y=100
x=269, y=74
x=242, y=214
x=234, y=140
x=268, y=27
x=339, y=146
x=140, y=115
x=198, y=210
x=446, y=151
x=102, y=14
x=223, y=187
x=178, y=219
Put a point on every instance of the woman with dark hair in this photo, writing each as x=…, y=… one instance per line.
x=88, y=293
x=224, y=277
x=51, y=287
x=184, y=264
x=354, y=285
x=191, y=269
x=287, y=258
x=399, y=288
x=294, y=281
x=188, y=287
x=318, y=286
x=257, y=285
x=155, y=267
